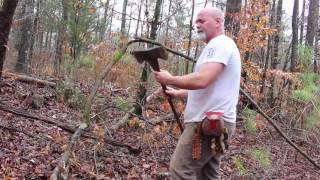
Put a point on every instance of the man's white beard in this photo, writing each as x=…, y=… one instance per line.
x=201, y=36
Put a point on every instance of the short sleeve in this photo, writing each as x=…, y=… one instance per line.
x=217, y=51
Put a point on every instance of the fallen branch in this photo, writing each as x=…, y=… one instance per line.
x=61, y=126
x=278, y=129
x=28, y=79
x=30, y=116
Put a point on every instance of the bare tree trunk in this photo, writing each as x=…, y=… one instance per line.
x=104, y=21
x=295, y=27
x=7, y=8
x=263, y=89
x=139, y=16
x=34, y=30
x=313, y=16
x=302, y=21
x=275, y=56
x=168, y=23
x=129, y=24
x=111, y=20
x=61, y=37
x=231, y=23
x=123, y=17
x=24, y=43
x=316, y=52
x=190, y=36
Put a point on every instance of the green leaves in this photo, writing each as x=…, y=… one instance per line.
x=250, y=123
x=117, y=56
x=122, y=103
x=241, y=170
x=261, y=157
x=306, y=93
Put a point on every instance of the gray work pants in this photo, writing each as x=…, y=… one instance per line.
x=182, y=165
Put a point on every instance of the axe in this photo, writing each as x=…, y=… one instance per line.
x=151, y=56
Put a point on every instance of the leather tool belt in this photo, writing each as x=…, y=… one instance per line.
x=212, y=126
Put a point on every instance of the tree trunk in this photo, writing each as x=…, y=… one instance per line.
x=302, y=21
x=190, y=36
x=129, y=24
x=104, y=21
x=232, y=25
x=316, y=52
x=61, y=36
x=123, y=17
x=111, y=21
x=313, y=16
x=294, y=53
x=24, y=43
x=139, y=16
x=168, y=23
x=141, y=98
x=34, y=30
x=275, y=56
x=7, y=9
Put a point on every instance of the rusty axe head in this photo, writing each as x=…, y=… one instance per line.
x=151, y=56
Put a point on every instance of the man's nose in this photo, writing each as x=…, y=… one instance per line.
x=197, y=25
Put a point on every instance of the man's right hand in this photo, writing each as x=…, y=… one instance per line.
x=177, y=93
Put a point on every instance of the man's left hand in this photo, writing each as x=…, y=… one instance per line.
x=163, y=77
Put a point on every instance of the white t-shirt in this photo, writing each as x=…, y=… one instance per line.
x=222, y=95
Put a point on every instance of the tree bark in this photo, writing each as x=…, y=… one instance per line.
x=168, y=23
x=232, y=25
x=61, y=36
x=7, y=9
x=34, y=28
x=302, y=21
x=123, y=17
x=294, y=53
x=316, y=58
x=313, y=16
x=275, y=55
x=24, y=42
x=190, y=36
x=103, y=29
x=139, y=17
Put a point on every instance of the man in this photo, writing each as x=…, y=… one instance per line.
x=213, y=86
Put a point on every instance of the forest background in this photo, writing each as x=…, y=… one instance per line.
x=74, y=102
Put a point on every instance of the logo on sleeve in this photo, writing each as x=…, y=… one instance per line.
x=210, y=52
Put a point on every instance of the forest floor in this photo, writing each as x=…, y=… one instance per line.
x=30, y=149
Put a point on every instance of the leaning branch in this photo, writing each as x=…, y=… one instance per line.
x=63, y=163
x=278, y=129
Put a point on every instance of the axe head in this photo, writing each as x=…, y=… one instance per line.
x=151, y=56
